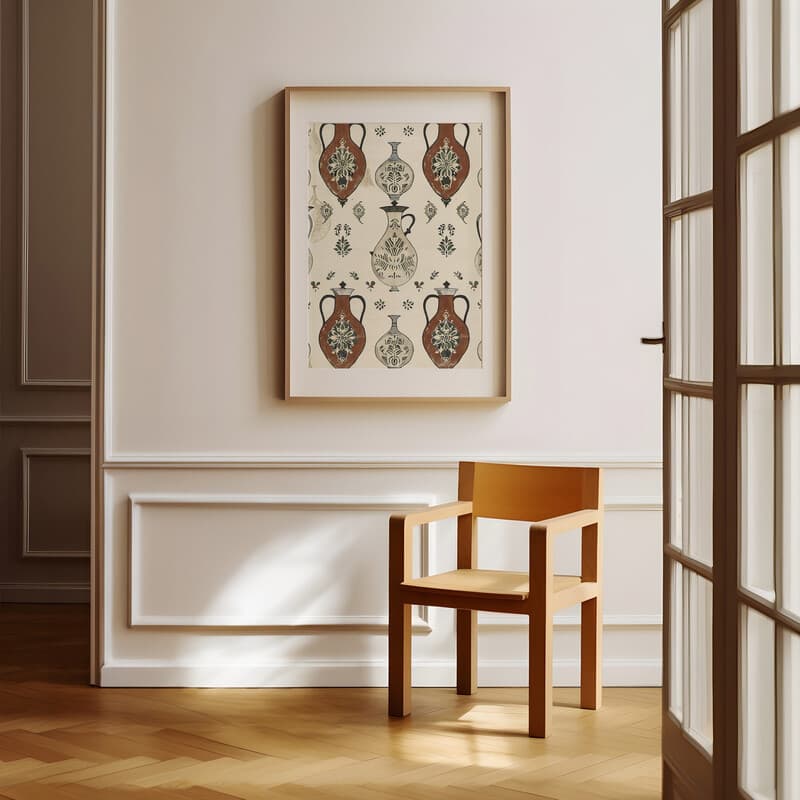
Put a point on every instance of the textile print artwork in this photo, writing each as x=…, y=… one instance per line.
x=395, y=258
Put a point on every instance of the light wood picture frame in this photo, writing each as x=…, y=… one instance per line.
x=397, y=235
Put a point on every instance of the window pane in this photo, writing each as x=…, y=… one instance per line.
x=701, y=295
x=700, y=719
x=755, y=63
x=790, y=241
x=699, y=87
x=790, y=57
x=691, y=296
x=700, y=478
x=757, y=763
x=790, y=563
x=676, y=289
x=690, y=53
x=758, y=482
x=676, y=110
x=677, y=433
x=789, y=723
x=676, y=641
x=755, y=195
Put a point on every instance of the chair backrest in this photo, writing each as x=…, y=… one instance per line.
x=528, y=493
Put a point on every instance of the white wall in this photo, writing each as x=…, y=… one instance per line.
x=195, y=331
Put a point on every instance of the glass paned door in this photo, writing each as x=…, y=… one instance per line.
x=767, y=592
x=688, y=397
x=731, y=193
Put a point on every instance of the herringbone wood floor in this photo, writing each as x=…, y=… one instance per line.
x=62, y=740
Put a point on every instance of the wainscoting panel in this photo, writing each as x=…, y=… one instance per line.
x=55, y=502
x=275, y=575
x=273, y=571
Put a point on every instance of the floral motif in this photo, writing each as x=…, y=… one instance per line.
x=408, y=304
x=446, y=245
x=326, y=210
x=330, y=275
x=445, y=164
x=342, y=247
x=359, y=211
x=394, y=260
x=342, y=164
x=380, y=305
x=341, y=338
x=380, y=131
x=463, y=211
x=430, y=210
x=445, y=338
x=408, y=130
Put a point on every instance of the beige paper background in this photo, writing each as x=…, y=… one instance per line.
x=425, y=237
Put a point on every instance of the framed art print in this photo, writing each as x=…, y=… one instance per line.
x=397, y=243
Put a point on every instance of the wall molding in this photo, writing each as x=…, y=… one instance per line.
x=44, y=592
x=25, y=379
x=367, y=672
x=15, y=419
x=27, y=454
x=420, y=623
x=211, y=461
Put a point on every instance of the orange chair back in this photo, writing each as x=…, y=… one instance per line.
x=527, y=493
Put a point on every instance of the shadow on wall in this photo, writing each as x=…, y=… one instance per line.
x=268, y=229
x=288, y=575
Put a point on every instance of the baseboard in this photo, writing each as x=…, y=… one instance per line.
x=44, y=593
x=616, y=672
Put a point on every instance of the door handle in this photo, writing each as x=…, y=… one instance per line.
x=654, y=339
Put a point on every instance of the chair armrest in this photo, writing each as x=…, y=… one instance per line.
x=401, y=527
x=445, y=511
x=567, y=522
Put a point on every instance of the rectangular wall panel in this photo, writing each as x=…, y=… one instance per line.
x=56, y=502
x=56, y=192
x=244, y=560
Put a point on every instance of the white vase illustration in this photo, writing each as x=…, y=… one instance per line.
x=394, y=259
x=479, y=254
x=394, y=349
x=394, y=176
x=319, y=216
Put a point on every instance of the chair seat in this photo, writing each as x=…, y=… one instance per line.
x=499, y=585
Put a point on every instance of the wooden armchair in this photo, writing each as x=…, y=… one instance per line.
x=555, y=500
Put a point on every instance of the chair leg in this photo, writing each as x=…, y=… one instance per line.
x=399, y=659
x=466, y=652
x=540, y=673
x=591, y=654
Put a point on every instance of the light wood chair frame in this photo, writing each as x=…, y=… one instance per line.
x=540, y=603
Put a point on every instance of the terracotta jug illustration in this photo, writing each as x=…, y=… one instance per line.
x=342, y=164
x=446, y=163
x=394, y=176
x=394, y=259
x=342, y=336
x=394, y=349
x=446, y=335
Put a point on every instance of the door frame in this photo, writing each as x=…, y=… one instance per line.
x=97, y=572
